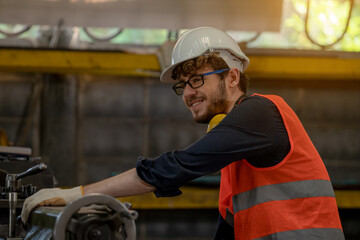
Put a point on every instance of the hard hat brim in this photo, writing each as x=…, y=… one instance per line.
x=166, y=75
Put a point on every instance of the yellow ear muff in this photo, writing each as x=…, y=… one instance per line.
x=215, y=121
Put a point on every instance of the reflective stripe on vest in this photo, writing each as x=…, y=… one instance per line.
x=282, y=191
x=310, y=233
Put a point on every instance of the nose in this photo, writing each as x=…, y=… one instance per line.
x=188, y=91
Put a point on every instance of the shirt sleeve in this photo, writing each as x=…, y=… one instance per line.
x=250, y=131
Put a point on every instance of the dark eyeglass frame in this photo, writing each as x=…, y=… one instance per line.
x=180, y=86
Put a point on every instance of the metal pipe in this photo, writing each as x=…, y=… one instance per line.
x=12, y=213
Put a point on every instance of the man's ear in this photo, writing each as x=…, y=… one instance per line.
x=233, y=77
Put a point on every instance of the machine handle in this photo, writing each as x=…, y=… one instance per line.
x=31, y=171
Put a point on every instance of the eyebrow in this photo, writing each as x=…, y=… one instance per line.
x=188, y=78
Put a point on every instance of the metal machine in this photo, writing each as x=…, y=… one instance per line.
x=92, y=217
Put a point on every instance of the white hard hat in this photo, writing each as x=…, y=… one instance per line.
x=199, y=41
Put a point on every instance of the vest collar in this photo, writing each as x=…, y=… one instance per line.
x=242, y=97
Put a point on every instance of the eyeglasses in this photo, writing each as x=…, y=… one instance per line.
x=194, y=82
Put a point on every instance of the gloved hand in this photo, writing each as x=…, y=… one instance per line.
x=50, y=197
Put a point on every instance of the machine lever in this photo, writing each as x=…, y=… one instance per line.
x=31, y=171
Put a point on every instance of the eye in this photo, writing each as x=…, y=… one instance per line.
x=196, y=80
x=180, y=85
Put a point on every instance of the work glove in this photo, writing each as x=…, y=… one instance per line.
x=50, y=197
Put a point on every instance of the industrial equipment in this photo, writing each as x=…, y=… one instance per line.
x=92, y=217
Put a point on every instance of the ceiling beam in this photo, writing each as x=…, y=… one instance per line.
x=279, y=67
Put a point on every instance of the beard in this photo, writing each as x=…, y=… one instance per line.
x=217, y=104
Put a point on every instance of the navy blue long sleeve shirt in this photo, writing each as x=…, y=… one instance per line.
x=253, y=130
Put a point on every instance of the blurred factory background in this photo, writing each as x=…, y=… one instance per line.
x=79, y=85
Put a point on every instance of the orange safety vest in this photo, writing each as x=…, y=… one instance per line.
x=291, y=200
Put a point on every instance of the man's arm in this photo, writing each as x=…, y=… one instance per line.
x=122, y=185
x=125, y=184
x=254, y=130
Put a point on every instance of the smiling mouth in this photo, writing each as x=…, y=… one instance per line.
x=195, y=103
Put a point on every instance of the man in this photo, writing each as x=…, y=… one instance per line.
x=274, y=184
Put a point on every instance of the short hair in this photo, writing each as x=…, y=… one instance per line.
x=190, y=67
